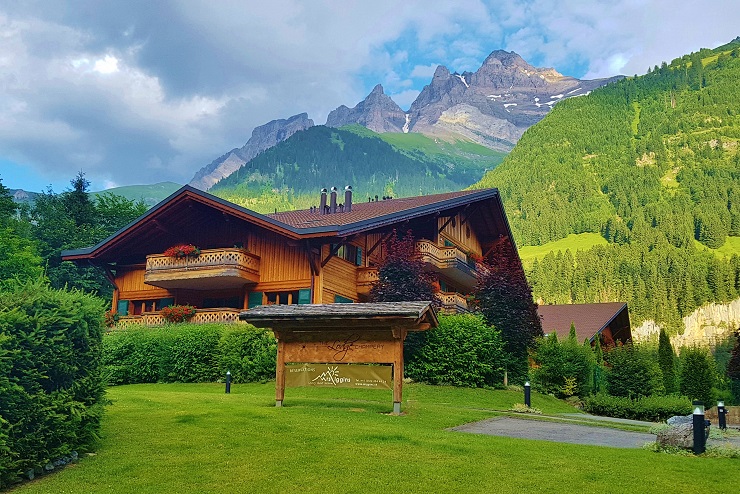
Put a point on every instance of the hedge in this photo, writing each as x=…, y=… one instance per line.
x=462, y=351
x=189, y=353
x=51, y=389
x=650, y=408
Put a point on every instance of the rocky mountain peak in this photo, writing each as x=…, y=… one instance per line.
x=378, y=112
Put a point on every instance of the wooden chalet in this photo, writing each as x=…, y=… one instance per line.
x=609, y=321
x=325, y=254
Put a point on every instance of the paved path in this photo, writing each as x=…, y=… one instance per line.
x=558, y=432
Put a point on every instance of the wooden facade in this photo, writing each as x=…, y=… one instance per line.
x=314, y=256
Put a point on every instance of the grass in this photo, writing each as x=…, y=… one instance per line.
x=729, y=248
x=193, y=438
x=574, y=242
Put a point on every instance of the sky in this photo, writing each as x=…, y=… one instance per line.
x=141, y=91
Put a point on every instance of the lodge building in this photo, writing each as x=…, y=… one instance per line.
x=325, y=254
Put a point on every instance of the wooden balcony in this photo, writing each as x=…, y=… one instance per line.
x=453, y=263
x=452, y=302
x=365, y=279
x=212, y=269
x=202, y=316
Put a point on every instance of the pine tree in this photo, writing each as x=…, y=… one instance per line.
x=697, y=375
x=667, y=362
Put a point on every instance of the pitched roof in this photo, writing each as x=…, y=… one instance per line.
x=589, y=319
x=305, y=223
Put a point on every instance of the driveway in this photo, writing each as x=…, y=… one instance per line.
x=557, y=432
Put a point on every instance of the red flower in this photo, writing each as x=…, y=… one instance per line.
x=177, y=313
x=182, y=251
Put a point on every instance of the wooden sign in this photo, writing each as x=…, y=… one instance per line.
x=339, y=376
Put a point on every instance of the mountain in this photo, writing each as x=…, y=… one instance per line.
x=148, y=194
x=492, y=106
x=652, y=164
x=377, y=112
x=263, y=137
x=292, y=173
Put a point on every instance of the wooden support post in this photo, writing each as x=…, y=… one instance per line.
x=280, y=372
x=399, y=335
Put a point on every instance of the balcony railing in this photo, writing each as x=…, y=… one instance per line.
x=452, y=302
x=365, y=279
x=451, y=261
x=202, y=316
x=213, y=268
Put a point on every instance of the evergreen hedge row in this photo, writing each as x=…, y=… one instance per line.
x=650, y=408
x=189, y=353
x=51, y=389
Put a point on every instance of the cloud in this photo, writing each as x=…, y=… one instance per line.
x=141, y=91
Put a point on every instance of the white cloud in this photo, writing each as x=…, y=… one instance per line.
x=424, y=71
x=107, y=65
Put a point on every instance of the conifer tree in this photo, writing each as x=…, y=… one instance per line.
x=697, y=375
x=667, y=362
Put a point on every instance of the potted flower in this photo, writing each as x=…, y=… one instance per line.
x=177, y=313
x=182, y=251
x=110, y=318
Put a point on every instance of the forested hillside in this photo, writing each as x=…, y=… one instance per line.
x=292, y=173
x=652, y=164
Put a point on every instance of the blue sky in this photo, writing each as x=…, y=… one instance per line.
x=141, y=92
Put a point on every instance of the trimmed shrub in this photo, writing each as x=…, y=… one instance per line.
x=51, y=389
x=189, y=353
x=649, y=408
x=462, y=351
x=248, y=353
x=632, y=372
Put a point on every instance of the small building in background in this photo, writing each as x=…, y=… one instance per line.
x=609, y=320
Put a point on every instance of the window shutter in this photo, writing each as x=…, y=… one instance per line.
x=122, y=308
x=164, y=302
x=358, y=260
x=338, y=299
x=304, y=296
x=255, y=299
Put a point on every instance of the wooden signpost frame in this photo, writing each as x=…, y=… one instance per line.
x=342, y=333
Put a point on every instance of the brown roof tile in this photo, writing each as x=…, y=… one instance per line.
x=589, y=319
x=362, y=211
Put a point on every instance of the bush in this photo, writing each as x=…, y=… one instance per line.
x=461, y=351
x=632, y=372
x=649, y=408
x=697, y=374
x=189, y=353
x=51, y=389
x=563, y=369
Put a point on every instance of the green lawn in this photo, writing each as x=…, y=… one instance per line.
x=574, y=242
x=193, y=438
x=728, y=249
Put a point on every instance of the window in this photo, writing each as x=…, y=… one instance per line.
x=280, y=298
x=338, y=299
x=349, y=252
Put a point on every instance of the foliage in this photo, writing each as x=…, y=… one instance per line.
x=562, y=369
x=7, y=206
x=652, y=164
x=461, y=351
x=110, y=318
x=248, y=353
x=667, y=362
x=177, y=313
x=697, y=376
x=401, y=275
x=505, y=300
x=51, y=389
x=648, y=408
x=182, y=251
x=733, y=368
x=632, y=372
x=522, y=408
x=188, y=353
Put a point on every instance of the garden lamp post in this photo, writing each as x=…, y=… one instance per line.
x=722, y=415
x=699, y=438
x=228, y=382
x=527, y=396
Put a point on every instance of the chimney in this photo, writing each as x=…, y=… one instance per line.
x=333, y=200
x=348, y=198
x=322, y=204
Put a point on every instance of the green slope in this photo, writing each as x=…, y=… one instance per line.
x=290, y=174
x=148, y=194
x=652, y=164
